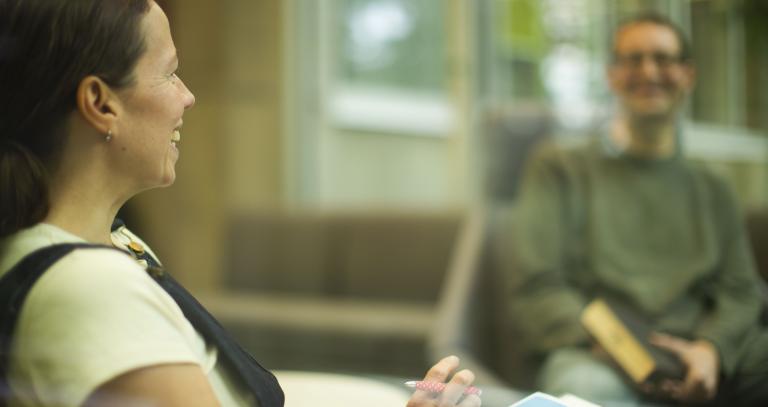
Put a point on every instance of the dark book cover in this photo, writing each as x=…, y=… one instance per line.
x=624, y=335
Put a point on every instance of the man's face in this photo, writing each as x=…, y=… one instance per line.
x=648, y=75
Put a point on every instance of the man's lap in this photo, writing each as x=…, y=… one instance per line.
x=577, y=371
x=748, y=385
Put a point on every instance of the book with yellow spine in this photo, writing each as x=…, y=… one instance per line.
x=624, y=336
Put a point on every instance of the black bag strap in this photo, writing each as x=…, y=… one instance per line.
x=262, y=383
x=15, y=285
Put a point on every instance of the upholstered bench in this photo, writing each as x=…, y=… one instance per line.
x=336, y=291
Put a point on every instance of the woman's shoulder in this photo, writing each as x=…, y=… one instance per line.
x=96, y=276
x=88, y=273
x=106, y=316
x=98, y=262
x=24, y=242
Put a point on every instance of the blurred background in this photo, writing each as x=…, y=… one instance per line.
x=337, y=148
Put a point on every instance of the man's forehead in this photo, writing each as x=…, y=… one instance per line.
x=646, y=36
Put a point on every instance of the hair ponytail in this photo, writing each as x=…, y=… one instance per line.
x=23, y=188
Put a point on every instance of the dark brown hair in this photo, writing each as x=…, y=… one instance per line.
x=46, y=48
x=652, y=17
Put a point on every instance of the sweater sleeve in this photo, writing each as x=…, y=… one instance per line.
x=734, y=291
x=529, y=250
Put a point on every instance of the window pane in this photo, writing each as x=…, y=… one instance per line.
x=549, y=52
x=390, y=43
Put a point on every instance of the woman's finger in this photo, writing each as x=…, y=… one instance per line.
x=454, y=390
x=437, y=373
x=472, y=400
x=442, y=369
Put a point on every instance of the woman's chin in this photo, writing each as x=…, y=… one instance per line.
x=165, y=180
x=169, y=175
x=169, y=179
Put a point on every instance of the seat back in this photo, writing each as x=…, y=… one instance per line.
x=336, y=291
x=368, y=255
x=471, y=319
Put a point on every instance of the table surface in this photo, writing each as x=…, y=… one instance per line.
x=304, y=389
x=332, y=389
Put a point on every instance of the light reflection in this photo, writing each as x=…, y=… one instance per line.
x=374, y=29
x=565, y=71
x=565, y=19
x=567, y=68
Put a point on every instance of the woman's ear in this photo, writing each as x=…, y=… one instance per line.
x=97, y=103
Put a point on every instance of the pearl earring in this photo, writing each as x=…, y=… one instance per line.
x=108, y=137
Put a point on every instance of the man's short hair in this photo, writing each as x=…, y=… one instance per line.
x=653, y=17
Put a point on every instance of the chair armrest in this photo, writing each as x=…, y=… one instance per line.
x=452, y=332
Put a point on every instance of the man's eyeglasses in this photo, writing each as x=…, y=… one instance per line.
x=660, y=59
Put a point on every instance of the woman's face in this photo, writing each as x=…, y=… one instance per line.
x=148, y=127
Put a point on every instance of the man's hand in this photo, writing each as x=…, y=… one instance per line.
x=454, y=390
x=703, y=368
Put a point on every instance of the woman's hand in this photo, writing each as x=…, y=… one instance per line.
x=454, y=390
x=703, y=368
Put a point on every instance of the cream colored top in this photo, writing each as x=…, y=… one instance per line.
x=94, y=315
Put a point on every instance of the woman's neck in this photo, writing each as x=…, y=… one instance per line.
x=84, y=193
x=83, y=203
x=81, y=216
